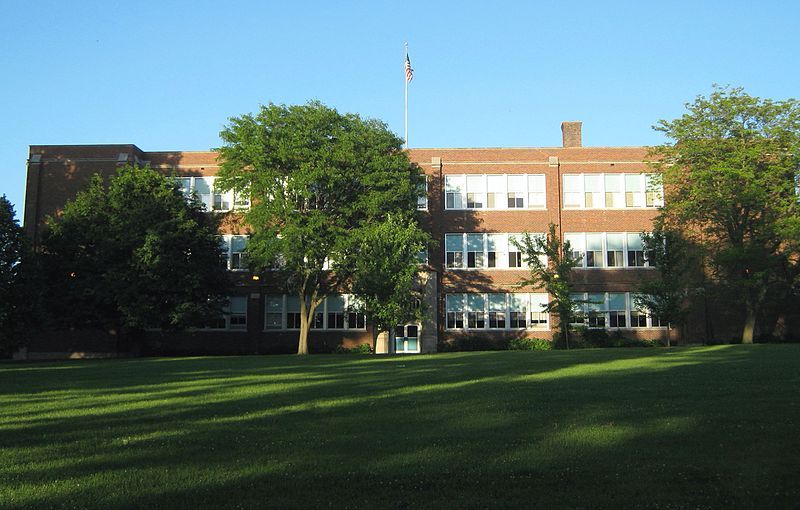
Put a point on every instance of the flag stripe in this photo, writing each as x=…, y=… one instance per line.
x=409, y=71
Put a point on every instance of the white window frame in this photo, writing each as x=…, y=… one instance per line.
x=404, y=338
x=229, y=315
x=479, y=303
x=322, y=309
x=605, y=312
x=458, y=185
x=578, y=196
x=578, y=242
x=209, y=200
x=227, y=241
x=502, y=257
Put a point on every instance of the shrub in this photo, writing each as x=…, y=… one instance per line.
x=529, y=344
x=360, y=349
x=596, y=337
x=474, y=343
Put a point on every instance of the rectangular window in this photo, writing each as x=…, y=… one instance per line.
x=538, y=315
x=596, y=308
x=616, y=310
x=577, y=247
x=516, y=191
x=334, y=306
x=454, y=250
x=497, y=248
x=202, y=189
x=237, y=315
x=497, y=311
x=614, y=250
x=496, y=191
x=594, y=250
x=475, y=250
x=518, y=310
x=454, y=190
x=238, y=259
x=514, y=255
x=476, y=315
x=537, y=193
x=475, y=192
x=634, y=190
x=273, y=316
x=454, y=304
x=654, y=194
x=573, y=191
x=292, y=312
x=614, y=191
x=593, y=191
x=636, y=256
x=422, y=197
x=406, y=338
x=356, y=320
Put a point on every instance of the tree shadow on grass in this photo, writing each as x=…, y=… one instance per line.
x=593, y=428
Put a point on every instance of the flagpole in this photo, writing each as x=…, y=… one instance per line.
x=405, y=111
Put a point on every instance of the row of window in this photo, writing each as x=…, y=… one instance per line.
x=613, y=310
x=612, y=191
x=213, y=199
x=283, y=312
x=496, y=311
x=481, y=250
x=608, y=249
x=526, y=311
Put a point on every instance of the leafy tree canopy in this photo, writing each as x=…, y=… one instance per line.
x=317, y=178
x=11, y=251
x=730, y=177
x=135, y=254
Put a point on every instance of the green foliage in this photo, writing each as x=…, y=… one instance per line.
x=554, y=274
x=729, y=179
x=474, y=343
x=133, y=255
x=360, y=349
x=321, y=184
x=12, y=244
x=529, y=344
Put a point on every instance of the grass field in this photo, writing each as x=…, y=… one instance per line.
x=688, y=427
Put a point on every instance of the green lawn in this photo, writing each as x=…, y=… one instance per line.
x=656, y=428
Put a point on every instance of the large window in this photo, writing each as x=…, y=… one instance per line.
x=607, y=249
x=406, y=338
x=613, y=310
x=612, y=191
x=234, y=315
x=335, y=312
x=495, y=191
x=497, y=311
x=233, y=247
x=422, y=197
x=483, y=251
x=213, y=199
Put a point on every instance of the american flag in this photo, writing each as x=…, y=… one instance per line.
x=409, y=71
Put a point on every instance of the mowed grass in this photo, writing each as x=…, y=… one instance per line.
x=654, y=428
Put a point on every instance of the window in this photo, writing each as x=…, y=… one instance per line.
x=614, y=250
x=454, y=304
x=616, y=310
x=233, y=247
x=406, y=338
x=514, y=255
x=335, y=310
x=636, y=256
x=422, y=197
x=497, y=311
x=496, y=187
x=518, y=310
x=273, y=315
x=495, y=191
x=539, y=317
x=496, y=246
x=475, y=191
x=454, y=250
x=577, y=247
x=596, y=310
x=611, y=191
x=476, y=316
x=516, y=191
x=594, y=250
x=475, y=250
x=202, y=189
x=453, y=189
x=292, y=312
x=537, y=193
x=237, y=312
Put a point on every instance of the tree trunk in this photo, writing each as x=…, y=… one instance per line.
x=302, y=343
x=669, y=334
x=749, y=326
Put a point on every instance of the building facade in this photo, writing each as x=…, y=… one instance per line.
x=477, y=202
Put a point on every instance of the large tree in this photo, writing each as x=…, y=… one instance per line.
x=550, y=261
x=11, y=251
x=729, y=179
x=316, y=178
x=133, y=254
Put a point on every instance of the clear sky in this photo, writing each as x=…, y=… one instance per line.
x=167, y=75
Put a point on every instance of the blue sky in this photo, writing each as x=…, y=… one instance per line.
x=167, y=75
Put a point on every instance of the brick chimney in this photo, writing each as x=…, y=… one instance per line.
x=571, y=134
